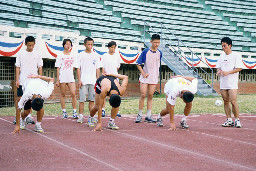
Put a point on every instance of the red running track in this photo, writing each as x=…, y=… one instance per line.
x=67, y=145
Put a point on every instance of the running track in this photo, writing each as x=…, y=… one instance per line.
x=67, y=145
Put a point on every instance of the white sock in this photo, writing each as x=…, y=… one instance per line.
x=29, y=116
x=140, y=112
x=74, y=110
x=159, y=116
x=38, y=123
x=148, y=113
x=111, y=120
x=81, y=115
x=230, y=119
x=236, y=119
x=64, y=110
x=103, y=109
x=184, y=118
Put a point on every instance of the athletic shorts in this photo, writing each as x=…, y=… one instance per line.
x=87, y=90
x=19, y=91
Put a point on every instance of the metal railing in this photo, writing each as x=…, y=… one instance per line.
x=166, y=40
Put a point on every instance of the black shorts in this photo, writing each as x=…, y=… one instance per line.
x=97, y=87
x=28, y=105
x=19, y=91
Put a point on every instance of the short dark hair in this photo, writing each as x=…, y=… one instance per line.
x=30, y=39
x=112, y=43
x=155, y=37
x=37, y=104
x=227, y=40
x=188, y=96
x=88, y=39
x=115, y=100
x=65, y=41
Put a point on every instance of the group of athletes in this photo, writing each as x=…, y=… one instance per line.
x=33, y=88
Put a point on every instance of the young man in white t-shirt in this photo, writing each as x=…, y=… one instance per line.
x=178, y=86
x=151, y=58
x=228, y=67
x=88, y=70
x=28, y=62
x=36, y=90
x=65, y=76
x=110, y=65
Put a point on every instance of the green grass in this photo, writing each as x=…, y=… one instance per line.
x=202, y=105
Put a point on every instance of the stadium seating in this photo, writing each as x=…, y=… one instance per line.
x=199, y=23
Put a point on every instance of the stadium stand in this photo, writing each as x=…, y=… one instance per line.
x=199, y=24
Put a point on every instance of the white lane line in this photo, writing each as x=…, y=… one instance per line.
x=235, y=165
x=69, y=147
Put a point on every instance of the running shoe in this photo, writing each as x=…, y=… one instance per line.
x=118, y=115
x=150, y=119
x=228, y=123
x=238, y=124
x=75, y=115
x=80, y=119
x=112, y=125
x=138, y=119
x=38, y=128
x=94, y=120
x=184, y=124
x=103, y=114
x=160, y=122
x=29, y=120
x=65, y=115
x=14, y=121
x=22, y=124
x=90, y=122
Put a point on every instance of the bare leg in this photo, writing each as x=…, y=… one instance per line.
x=232, y=97
x=25, y=113
x=91, y=104
x=143, y=92
x=95, y=107
x=225, y=96
x=187, y=108
x=62, y=94
x=114, y=112
x=40, y=115
x=151, y=90
x=81, y=107
x=72, y=88
x=166, y=109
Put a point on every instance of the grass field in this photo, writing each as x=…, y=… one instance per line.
x=247, y=104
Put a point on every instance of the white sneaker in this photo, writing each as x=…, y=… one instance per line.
x=22, y=124
x=112, y=125
x=228, y=123
x=238, y=124
x=80, y=119
x=38, y=128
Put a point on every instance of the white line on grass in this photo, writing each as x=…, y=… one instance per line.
x=69, y=147
x=184, y=150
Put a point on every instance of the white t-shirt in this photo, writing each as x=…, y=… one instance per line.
x=228, y=63
x=174, y=87
x=35, y=86
x=66, y=64
x=110, y=63
x=88, y=63
x=29, y=62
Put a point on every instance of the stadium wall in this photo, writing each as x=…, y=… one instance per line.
x=49, y=44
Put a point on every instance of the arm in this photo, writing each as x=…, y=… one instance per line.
x=17, y=77
x=225, y=73
x=97, y=73
x=103, y=71
x=40, y=70
x=145, y=75
x=58, y=77
x=171, y=111
x=218, y=71
x=49, y=79
x=17, y=127
x=78, y=71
